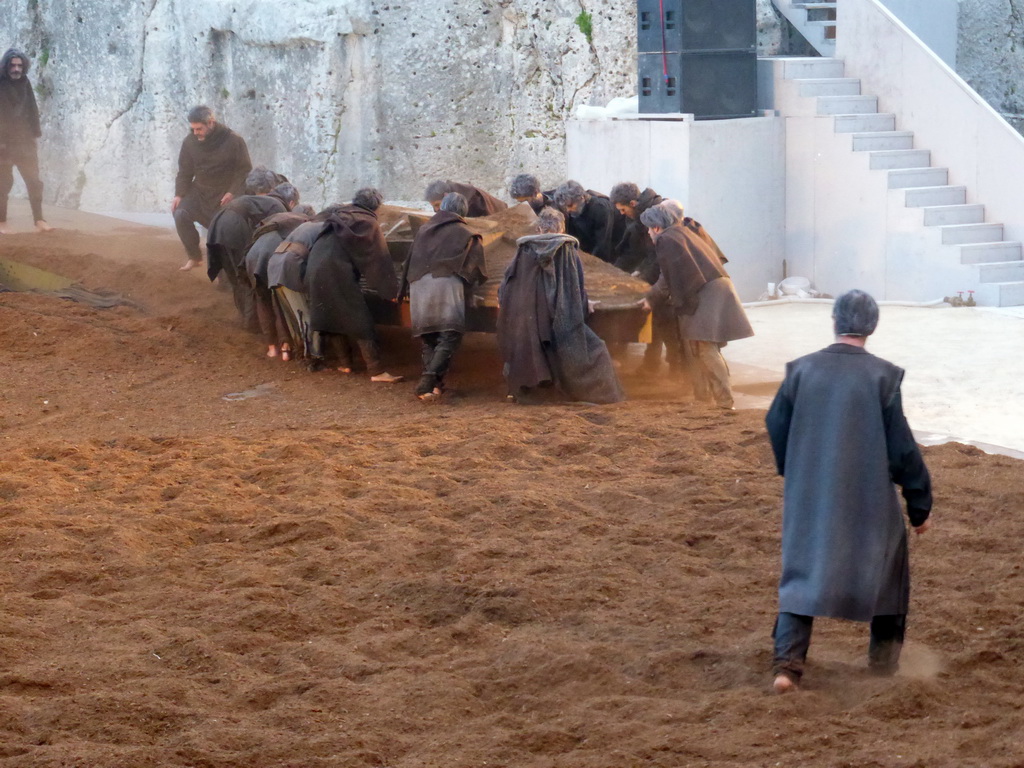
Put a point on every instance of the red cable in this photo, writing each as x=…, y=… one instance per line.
x=664, y=45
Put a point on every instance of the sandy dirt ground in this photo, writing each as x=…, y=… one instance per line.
x=214, y=559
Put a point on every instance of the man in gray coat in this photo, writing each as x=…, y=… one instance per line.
x=841, y=441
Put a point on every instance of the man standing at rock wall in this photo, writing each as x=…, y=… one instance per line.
x=19, y=129
x=212, y=167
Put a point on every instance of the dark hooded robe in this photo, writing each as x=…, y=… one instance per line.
x=210, y=168
x=451, y=257
x=351, y=250
x=480, y=203
x=287, y=265
x=542, y=330
x=593, y=225
x=841, y=441
x=696, y=286
x=231, y=231
x=19, y=129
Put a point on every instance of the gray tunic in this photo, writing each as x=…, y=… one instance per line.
x=437, y=304
x=841, y=440
x=719, y=316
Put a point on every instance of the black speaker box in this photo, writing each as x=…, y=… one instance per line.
x=709, y=85
x=696, y=25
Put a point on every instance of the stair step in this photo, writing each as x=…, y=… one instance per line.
x=828, y=86
x=885, y=121
x=921, y=197
x=891, y=159
x=820, y=12
x=972, y=234
x=804, y=67
x=944, y=215
x=992, y=253
x=1009, y=294
x=874, y=141
x=1001, y=272
x=847, y=105
x=918, y=177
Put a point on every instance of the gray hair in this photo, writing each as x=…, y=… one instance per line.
x=674, y=208
x=260, y=180
x=455, y=203
x=436, y=190
x=570, y=193
x=287, y=192
x=368, y=198
x=550, y=221
x=657, y=216
x=855, y=313
x=625, y=193
x=200, y=114
x=524, y=185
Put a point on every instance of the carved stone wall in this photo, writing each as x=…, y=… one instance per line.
x=338, y=94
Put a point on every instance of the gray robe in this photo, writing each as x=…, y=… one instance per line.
x=841, y=441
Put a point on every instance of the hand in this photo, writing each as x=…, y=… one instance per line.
x=923, y=527
x=591, y=305
x=228, y=197
x=644, y=304
x=175, y=203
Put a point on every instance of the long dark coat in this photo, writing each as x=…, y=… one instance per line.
x=694, y=284
x=353, y=249
x=443, y=247
x=19, y=113
x=209, y=168
x=542, y=330
x=635, y=251
x=841, y=441
x=594, y=226
x=231, y=231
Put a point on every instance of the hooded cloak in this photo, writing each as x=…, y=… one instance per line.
x=19, y=113
x=542, y=330
x=352, y=250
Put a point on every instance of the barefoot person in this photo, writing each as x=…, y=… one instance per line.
x=352, y=251
x=445, y=264
x=19, y=129
x=212, y=166
x=841, y=441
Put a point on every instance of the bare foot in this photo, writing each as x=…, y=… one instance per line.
x=784, y=684
x=286, y=352
x=427, y=397
x=387, y=378
x=190, y=264
x=42, y=226
x=271, y=350
x=3, y=228
x=345, y=369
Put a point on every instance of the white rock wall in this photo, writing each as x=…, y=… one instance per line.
x=336, y=94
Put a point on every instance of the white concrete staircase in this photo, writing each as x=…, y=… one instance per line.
x=930, y=226
x=816, y=21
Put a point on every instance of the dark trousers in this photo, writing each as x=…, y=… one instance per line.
x=24, y=157
x=232, y=267
x=792, y=635
x=192, y=210
x=438, y=349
